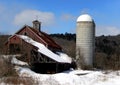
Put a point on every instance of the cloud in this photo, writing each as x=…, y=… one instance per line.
x=67, y=17
x=27, y=16
x=107, y=30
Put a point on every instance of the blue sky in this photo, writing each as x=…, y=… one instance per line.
x=59, y=16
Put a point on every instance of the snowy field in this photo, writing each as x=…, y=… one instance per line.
x=73, y=77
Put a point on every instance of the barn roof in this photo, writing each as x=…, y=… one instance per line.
x=45, y=37
x=44, y=50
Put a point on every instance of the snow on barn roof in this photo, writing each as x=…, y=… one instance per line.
x=44, y=50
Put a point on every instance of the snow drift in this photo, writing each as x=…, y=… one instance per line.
x=73, y=77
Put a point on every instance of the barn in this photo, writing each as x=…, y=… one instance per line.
x=36, y=48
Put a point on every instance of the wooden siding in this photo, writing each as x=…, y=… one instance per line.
x=39, y=36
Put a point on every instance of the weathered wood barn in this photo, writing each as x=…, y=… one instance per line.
x=38, y=61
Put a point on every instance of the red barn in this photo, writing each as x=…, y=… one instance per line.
x=39, y=62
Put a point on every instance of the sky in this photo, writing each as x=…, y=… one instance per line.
x=59, y=16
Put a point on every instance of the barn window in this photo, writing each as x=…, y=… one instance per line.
x=25, y=33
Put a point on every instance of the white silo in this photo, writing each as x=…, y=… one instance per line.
x=85, y=40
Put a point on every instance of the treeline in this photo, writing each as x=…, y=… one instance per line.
x=66, y=36
x=107, y=52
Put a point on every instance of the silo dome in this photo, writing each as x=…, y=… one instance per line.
x=84, y=17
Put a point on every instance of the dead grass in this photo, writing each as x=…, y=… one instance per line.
x=18, y=81
x=6, y=68
x=9, y=76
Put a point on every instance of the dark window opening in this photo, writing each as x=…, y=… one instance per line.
x=14, y=48
x=25, y=33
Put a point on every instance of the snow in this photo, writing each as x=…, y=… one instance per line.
x=44, y=50
x=14, y=60
x=65, y=57
x=18, y=62
x=2, y=83
x=72, y=77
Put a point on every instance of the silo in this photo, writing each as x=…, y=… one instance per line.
x=85, y=40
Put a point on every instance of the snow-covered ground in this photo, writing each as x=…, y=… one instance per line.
x=18, y=62
x=70, y=77
x=73, y=77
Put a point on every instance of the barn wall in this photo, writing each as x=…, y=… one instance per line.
x=13, y=45
x=14, y=39
x=24, y=48
x=26, y=52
